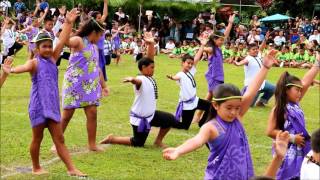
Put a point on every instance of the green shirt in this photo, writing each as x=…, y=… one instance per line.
x=226, y=53
x=283, y=56
x=300, y=58
x=176, y=51
x=310, y=58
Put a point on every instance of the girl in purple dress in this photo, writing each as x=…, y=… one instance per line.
x=83, y=84
x=229, y=156
x=288, y=116
x=215, y=74
x=44, y=110
x=101, y=18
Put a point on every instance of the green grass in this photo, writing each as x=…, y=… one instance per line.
x=119, y=162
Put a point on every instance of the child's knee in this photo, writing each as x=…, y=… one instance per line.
x=58, y=139
x=137, y=142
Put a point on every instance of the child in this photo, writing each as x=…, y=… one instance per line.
x=170, y=45
x=143, y=113
x=116, y=40
x=188, y=100
x=283, y=57
x=184, y=47
x=310, y=168
x=83, y=81
x=287, y=115
x=44, y=108
x=229, y=149
x=215, y=74
x=176, y=52
x=108, y=48
x=309, y=59
x=299, y=58
x=138, y=50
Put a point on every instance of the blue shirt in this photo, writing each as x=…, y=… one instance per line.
x=44, y=5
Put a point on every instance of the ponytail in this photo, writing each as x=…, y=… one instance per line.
x=281, y=98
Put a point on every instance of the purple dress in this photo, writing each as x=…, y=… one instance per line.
x=31, y=34
x=102, y=60
x=81, y=86
x=116, y=42
x=294, y=124
x=44, y=96
x=215, y=74
x=229, y=157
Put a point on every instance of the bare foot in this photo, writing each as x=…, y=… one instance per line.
x=53, y=149
x=160, y=145
x=95, y=148
x=77, y=173
x=107, y=140
x=39, y=171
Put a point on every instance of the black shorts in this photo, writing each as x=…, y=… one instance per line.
x=160, y=119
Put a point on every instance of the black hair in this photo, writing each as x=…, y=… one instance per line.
x=48, y=18
x=211, y=42
x=186, y=57
x=90, y=26
x=108, y=35
x=315, y=141
x=94, y=14
x=252, y=45
x=222, y=91
x=281, y=97
x=144, y=61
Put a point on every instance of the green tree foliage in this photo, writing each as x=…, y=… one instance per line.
x=293, y=7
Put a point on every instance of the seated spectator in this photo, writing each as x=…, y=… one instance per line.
x=169, y=47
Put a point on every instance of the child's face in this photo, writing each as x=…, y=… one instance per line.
x=310, y=53
x=301, y=51
x=139, y=43
x=294, y=94
x=148, y=70
x=187, y=65
x=45, y=49
x=254, y=51
x=219, y=42
x=48, y=25
x=228, y=110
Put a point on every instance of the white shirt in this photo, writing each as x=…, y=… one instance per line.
x=278, y=40
x=188, y=88
x=309, y=170
x=133, y=45
x=136, y=51
x=144, y=102
x=252, y=68
x=252, y=38
x=314, y=37
x=170, y=46
x=8, y=38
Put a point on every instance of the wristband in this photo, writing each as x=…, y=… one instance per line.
x=292, y=138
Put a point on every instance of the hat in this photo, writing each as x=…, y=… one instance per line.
x=41, y=37
x=258, y=29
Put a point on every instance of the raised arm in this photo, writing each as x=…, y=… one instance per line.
x=206, y=133
x=199, y=53
x=149, y=40
x=65, y=34
x=253, y=88
x=229, y=27
x=241, y=63
x=29, y=66
x=310, y=75
x=134, y=81
x=44, y=15
x=174, y=78
x=264, y=42
x=37, y=8
x=105, y=11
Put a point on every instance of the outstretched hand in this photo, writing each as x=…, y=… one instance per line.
x=231, y=18
x=72, y=15
x=270, y=58
x=281, y=144
x=127, y=79
x=7, y=65
x=170, y=154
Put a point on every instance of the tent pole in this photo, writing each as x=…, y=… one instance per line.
x=139, y=28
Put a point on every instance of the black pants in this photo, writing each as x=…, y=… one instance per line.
x=13, y=50
x=108, y=59
x=160, y=119
x=65, y=55
x=187, y=115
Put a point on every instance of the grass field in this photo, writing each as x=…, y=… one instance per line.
x=119, y=162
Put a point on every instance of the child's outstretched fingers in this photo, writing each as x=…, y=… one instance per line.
x=170, y=154
x=72, y=15
x=270, y=58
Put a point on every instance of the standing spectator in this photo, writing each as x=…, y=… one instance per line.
x=254, y=22
x=280, y=39
x=120, y=16
x=19, y=6
x=5, y=5
x=212, y=20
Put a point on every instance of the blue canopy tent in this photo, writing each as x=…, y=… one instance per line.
x=275, y=17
